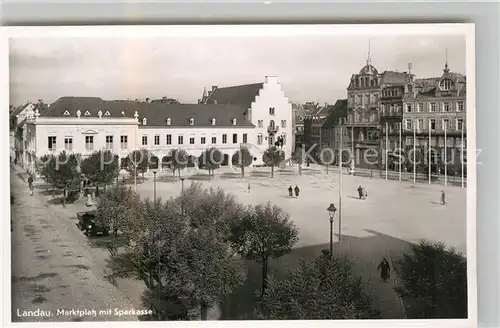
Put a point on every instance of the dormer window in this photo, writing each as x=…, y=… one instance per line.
x=169, y=121
x=445, y=84
x=87, y=113
x=107, y=113
x=213, y=121
x=66, y=113
x=234, y=121
x=144, y=121
x=191, y=121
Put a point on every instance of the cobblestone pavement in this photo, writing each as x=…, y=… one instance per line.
x=54, y=269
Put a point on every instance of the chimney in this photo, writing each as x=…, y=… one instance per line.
x=40, y=101
x=214, y=87
x=148, y=100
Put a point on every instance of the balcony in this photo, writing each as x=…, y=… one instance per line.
x=272, y=129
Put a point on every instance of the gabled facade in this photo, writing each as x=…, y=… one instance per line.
x=87, y=124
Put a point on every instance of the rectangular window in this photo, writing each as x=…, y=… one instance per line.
x=259, y=139
x=202, y=140
x=52, y=143
x=409, y=108
x=459, y=124
x=460, y=106
x=214, y=140
x=68, y=143
x=283, y=123
x=224, y=138
x=109, y=142
x=420, y=107
x=180, y=140
x=157, y=140
x=446, y=107
x=245, y=138
x=446, y=124
x=191, y=140
x=408, y=124
x=169, y=139
x=409, y=141
x=89, y=142
x=144, y=140
x=124, y=142
x=261, y=123
x=432, y=124
x=432, y=107
x=235, y=138
x=420, y=124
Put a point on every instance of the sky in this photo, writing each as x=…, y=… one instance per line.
x=311, y=68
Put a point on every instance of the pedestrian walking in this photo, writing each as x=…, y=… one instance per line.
x=385, y=269
x=30, y=184
x=297, y=190
x=249, y=188
x=290, y=191
x=365, y=193
x=360, y=192
x=443, y=197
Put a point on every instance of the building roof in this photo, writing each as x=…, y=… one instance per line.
x=393, y=78
x=156, y=114
x=324, y=111
x=339, y=110
x=240, y=95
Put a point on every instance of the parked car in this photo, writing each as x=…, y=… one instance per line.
x=89, y=225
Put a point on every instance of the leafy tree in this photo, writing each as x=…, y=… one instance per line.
x=211, y=159
x=298, y=157
x=101, y=168
x=242, y=158
x=119, y=208
x=323, y=288
x=327, y=157
x=273, y=156
x=138, y=162
x=264, y=232
x=45, y=167
x=66, y=175
x=433, y=282
x=178, y=160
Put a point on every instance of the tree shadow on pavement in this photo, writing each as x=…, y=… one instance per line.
x=231, y=175
x=365, y=254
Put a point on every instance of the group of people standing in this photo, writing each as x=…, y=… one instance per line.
x=292, y=190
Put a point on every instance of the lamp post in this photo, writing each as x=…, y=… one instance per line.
x=331, y=211
x=154, y=182
x=182, y=196
x=182, y=185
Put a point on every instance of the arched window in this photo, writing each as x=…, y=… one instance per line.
x=169, y=121
x=213, y=121
x=272, y=124
x=445, y=84
x=234, y=121
x=191, y=121
x=144, y=121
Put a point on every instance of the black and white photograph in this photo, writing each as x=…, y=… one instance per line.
x=251, y=172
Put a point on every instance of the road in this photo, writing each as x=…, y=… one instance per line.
x=53, y=268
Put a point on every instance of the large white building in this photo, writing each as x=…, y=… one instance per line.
x=253, y=115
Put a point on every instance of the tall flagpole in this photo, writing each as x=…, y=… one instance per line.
x=462, y=152
x=352, y=147
x=400, y=146
x=445, y=157
x=340, y=177
x=386, y=147
x=414, y=153
x=429, y=151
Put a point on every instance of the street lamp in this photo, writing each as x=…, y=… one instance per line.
x=154, y=182
x=331, y=211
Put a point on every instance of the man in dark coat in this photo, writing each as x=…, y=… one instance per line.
x=360, y=192
x=297, y=190
x=290, y=191
x=443, y=197
x=385, y=269
x=30, y=184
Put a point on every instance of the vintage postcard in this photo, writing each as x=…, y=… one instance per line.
x=277, y=172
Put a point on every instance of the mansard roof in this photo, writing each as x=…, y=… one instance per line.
x=155, y=113
x=390, y=78
x=240, y=95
